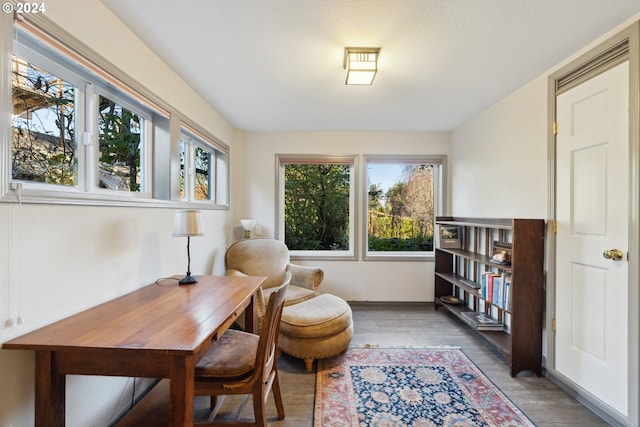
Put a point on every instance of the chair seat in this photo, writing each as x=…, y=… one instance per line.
x=232, y=356
x=322, y=316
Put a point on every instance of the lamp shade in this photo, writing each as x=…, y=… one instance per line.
x=248, y=224
x=187, y=223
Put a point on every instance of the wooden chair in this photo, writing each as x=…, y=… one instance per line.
x=243, y=363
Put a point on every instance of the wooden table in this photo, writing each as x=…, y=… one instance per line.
x=160, y=330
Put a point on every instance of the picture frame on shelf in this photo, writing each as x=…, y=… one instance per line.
x=450, y=237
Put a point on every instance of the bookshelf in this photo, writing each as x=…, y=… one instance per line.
x=462, y=261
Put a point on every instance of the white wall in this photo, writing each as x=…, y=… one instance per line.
x=352, y=280
x=499, y=158
x=56, y=260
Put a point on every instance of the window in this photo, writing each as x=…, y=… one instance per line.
x=403, y=198
x=121, y=141
x=316, y=208
x=58, y=105
x=202, y=167
x=43, y=147
x=84, y=133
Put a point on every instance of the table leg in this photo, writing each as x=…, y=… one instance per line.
x=181, y=386
x=250, y=321
x=50, y=392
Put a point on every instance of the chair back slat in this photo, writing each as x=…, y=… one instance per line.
x=268, y=344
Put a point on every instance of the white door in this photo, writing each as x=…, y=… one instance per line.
x=592, y=198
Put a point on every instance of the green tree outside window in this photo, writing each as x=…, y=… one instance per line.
x=316, y=206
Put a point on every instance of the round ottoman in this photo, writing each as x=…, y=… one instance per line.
x=316, y=328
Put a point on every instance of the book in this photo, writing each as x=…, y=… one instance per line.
x=484, y=284
x=497, y=290
x=507, y=293
x=481, y=321
x=491, y=282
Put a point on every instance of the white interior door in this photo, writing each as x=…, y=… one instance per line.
x=592, y=213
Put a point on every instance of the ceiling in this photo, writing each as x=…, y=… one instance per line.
x=276, y=65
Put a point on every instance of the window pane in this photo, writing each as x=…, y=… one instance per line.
x=316, y=206
x=400, y=207
x=120, y=146
x=202, y=168
x=202, y=179
x=43, y=145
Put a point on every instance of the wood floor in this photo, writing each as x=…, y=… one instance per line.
x=420, y=325
x=403, y=325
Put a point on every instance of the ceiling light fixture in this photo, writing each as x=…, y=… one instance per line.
x=361, y=64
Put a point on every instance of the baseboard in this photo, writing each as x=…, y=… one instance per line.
x=391, y=303
x=595, y=405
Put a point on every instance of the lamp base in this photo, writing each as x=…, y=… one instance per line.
x=188, y=280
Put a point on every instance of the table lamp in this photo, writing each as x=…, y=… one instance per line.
x=188, y=223
x=248, y=225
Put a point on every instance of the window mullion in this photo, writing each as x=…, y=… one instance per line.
x=281, y=188
x=213, y=173
x=88, y=170
x=190, y=171
x=146, y=153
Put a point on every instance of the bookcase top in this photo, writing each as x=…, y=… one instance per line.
x=503, y=223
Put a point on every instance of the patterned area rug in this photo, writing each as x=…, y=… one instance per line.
x=412, y=387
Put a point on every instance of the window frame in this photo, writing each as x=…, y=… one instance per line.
x=163, y=124
x=440, y=190
x=146, y=173
x=218, y=170
x=48, y=64
x=284, y=159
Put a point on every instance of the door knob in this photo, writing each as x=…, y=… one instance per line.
x=614, y=254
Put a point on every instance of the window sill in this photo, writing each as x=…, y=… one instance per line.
x=66, y=197
x=400, y=256
x=322, y=256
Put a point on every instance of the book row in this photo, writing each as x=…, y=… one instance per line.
x=496, y=289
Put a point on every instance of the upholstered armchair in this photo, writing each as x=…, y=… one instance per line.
x=270, y=258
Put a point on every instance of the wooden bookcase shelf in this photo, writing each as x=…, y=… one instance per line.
x=457, y=268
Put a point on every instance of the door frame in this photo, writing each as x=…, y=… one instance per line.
x=621, y=47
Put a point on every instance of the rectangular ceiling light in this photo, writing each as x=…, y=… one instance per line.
x=361, y=64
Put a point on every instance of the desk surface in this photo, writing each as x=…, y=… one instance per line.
x=161, y=317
